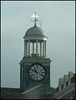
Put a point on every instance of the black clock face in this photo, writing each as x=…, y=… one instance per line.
x=37, y=72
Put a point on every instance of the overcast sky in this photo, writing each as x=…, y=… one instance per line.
x=58, y=23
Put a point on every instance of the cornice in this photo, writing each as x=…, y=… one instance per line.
x=65, y=91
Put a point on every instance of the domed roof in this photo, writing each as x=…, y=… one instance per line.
x=35, y=31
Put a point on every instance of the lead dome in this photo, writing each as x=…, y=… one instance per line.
x=35, y=33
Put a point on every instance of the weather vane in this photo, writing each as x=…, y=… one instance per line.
x=35, y=16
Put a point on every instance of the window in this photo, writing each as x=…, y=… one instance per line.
x=49, y=92
x=62, y=86
x=67, y=83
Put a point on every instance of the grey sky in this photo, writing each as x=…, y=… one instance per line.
x=58, y=23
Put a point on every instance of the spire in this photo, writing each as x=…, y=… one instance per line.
x=35, y=16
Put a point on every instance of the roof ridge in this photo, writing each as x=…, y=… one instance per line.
x=30, y=89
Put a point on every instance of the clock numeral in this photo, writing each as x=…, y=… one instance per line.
x=42, y=75
x=31, y=74
x=42, y=72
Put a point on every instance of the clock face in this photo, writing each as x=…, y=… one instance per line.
x=37, y=72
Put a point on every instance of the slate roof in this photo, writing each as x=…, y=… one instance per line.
x=6, y=91
x=41, y=89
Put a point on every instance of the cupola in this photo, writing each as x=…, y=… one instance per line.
x=35, y=39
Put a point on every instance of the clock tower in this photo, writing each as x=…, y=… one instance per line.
x=35, y=66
